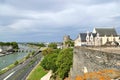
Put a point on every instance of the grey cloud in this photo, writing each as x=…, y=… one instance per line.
x=116, y=17
x=51, y=18
x=44, y=5
x=52, y=5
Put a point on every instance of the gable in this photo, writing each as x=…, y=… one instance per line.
x=84, y=35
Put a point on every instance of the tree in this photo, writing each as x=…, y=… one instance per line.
x=41, y=45
x=49, y=62
x=16, y=63
x=64, y=62
x=14, y=45
x=59, y=61
x=50, y=51
x=53, y=45
x=69, y=43
x=47, y=51
x=33, y=53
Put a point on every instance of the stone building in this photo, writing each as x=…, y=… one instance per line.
x=99, y=36
x=66, y=38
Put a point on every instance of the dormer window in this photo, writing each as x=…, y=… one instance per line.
x=98, y=35
x=91, y=37
x=87, y=37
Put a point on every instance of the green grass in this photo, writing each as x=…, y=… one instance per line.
x=6, y=69
x=37, y=73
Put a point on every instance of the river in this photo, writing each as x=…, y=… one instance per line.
x=11, y=58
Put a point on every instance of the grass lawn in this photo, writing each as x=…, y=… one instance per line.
x=37, y=73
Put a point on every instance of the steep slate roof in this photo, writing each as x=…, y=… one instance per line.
x=83, y=36
x=106, y=31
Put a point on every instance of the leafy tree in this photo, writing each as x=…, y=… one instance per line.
x=33, y=53
x=47, y=51
x=16, y=63
x=8, y=43
x=49, y=62
x=59, y=61
x=53, y=45
x=15, y=45
x=64, y=62
x=56, y=51
x=41, y=45
x=69, y=43
x=1, y=43
x=38, y=44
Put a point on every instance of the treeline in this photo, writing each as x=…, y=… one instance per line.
x=51, y=45
x=38, y=44
x=58, y=60
x=13, y=44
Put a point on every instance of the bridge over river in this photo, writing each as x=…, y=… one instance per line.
x=25, y=50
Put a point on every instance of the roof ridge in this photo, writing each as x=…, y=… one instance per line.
x=105, y=28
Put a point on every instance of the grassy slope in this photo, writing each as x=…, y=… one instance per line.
x=37, y=73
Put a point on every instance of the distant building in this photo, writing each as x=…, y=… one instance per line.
x=84, y=39
x=4, y=49
x=66, y=38
x=59, y=46
x=99, y=36
x=1, y=50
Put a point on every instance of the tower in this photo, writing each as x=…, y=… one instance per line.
x=65, y=39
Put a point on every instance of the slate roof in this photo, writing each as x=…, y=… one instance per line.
x=83, y=36
x=106, y=31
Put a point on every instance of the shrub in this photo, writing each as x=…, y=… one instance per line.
x=16, y=63
x=53, y=45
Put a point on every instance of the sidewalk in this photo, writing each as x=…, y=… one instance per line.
x=47, y=76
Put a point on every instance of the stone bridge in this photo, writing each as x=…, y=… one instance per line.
x=24, y=50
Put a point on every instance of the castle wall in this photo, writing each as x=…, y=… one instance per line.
x=86, y=60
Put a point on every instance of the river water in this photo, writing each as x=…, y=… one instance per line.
x=11, y=58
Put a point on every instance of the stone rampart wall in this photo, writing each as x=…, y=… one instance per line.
x=87, y=60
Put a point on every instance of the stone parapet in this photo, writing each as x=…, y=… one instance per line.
x=87, y=60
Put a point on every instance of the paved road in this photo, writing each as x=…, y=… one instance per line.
x=21, y=71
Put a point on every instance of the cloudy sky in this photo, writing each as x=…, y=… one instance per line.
x=50, y=20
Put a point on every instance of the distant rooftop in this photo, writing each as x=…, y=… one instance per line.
x=105, y=31
x=83, y=36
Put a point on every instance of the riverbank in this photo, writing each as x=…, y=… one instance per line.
x=2, y=55
x=14, y=64
x=7, y=53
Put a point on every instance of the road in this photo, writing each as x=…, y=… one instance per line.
x=21, y=71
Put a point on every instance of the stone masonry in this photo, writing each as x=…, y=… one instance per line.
x=87, y=60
